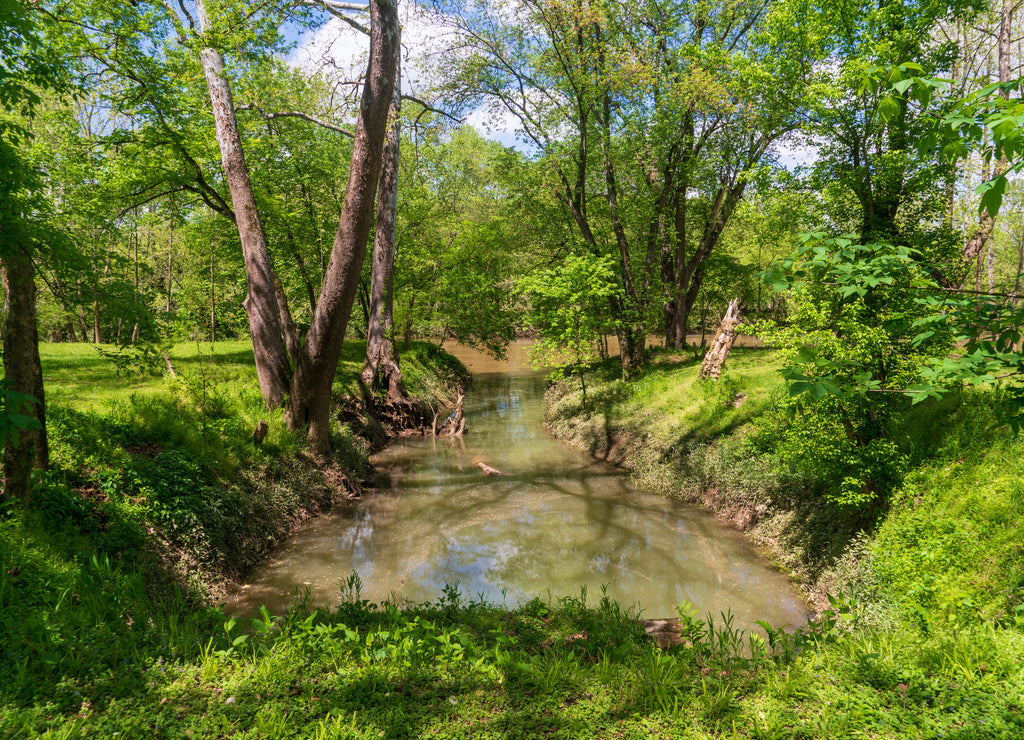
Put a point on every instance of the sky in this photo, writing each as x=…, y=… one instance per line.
x=340, y=50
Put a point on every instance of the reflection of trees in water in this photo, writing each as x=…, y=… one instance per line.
x=553, y=521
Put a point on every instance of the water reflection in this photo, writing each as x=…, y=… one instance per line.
x=554, y=521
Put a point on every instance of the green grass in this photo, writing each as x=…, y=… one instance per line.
x=104, y=630
x=87, y=375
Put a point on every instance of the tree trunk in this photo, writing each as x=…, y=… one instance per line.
x=309, y=403
x=986, y=223
x=714, y=360
x=291, y=334
x=213, y=300
x=261, y=305
x=632, y=336
x=23, y=373
x=690, y=273
x=97, y=337
x=381, y=361
x=303, y=271
x=170, y=267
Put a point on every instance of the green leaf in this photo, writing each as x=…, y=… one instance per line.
x=992, y=195
x=903, y=85
x=888, y=109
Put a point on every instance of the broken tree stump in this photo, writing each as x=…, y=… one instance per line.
x=455, y=424
x=725, y=337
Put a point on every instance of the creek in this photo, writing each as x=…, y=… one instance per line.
x=554, y=522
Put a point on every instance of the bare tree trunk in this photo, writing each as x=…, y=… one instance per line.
x=170, y=266
x=986, y=223
x=632, y=337
x=96, y=336
x=690, y=272
x=213, y=300
x=261, y=304
x=291, y=334
x=309, y=403
x=1020, y=269
x=303, y=271
x=23, y=373
x=380, y=350
x=724, y=339
x=991, y=266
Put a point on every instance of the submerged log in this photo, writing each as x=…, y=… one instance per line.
x=714, y=360
x=488, y=470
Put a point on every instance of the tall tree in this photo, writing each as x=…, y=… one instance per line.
x=27, y=63
x=381, y=361
x=309, y=403
x=261, y=301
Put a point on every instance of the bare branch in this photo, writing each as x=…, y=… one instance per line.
x=296, y=114
x=338, y=10
x=432, y=109
x=140, y=199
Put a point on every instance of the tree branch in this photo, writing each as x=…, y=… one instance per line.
x=296, y=114
x=338, y=10
x=432, y=109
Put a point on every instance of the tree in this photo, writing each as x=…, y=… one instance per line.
x=309, y=402
x=261, y=302
x=381, y=362
x=657, y=101
x=567, y=313
x=27, y=63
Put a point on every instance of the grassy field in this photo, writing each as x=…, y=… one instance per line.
x=88, y=376
x=107, y=627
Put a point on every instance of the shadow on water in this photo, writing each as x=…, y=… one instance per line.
x=554, y=521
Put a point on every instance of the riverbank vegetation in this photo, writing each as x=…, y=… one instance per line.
x=216, y=220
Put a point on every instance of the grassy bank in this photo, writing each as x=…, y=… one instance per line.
x=941, y=559
x=948, y=535
x=106, y=629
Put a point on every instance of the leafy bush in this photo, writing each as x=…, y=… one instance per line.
x=853, y=347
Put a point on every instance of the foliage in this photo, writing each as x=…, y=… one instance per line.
x=567, y=310
x=12, y=419
x=853, y=346
x=458, y=246
x=989, y=118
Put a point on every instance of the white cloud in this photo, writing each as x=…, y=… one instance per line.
x=339, y=53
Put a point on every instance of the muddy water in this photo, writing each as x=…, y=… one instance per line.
x=553, y=522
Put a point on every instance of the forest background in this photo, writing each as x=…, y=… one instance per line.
x=178, y=173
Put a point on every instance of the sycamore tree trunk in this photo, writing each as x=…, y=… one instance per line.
x=309, y=403
x=261, y=304
x=381, y=360
x=23, y=373
x=986, y=222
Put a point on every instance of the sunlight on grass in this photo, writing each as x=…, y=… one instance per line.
x=79, y=374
